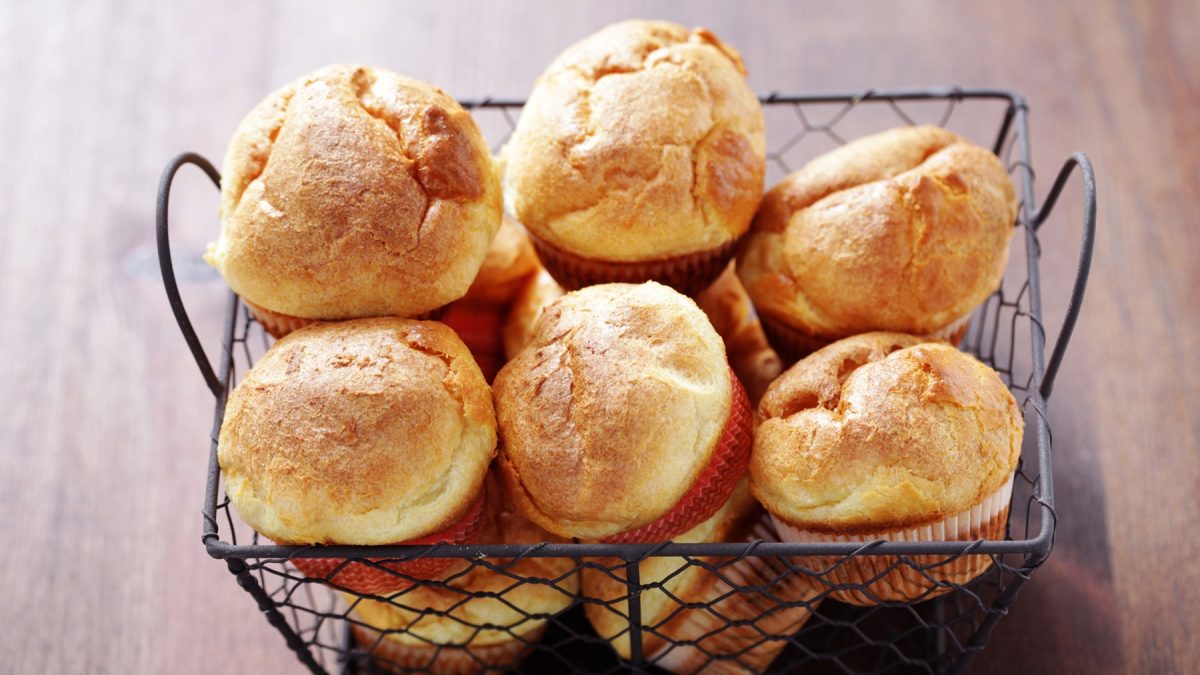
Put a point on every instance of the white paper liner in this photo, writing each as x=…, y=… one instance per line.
x=985, y=520
x=769, y=617
x=954, y=332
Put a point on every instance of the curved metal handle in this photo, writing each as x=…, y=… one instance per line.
x=168, y=269
x=1086, y=245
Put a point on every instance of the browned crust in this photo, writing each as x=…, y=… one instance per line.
x=883, y=431
x=643, y=140
x=371, y=431
x=905, y=231
x=355, y=192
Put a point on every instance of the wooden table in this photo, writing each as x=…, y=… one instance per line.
x=105, y=418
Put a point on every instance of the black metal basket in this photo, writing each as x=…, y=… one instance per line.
x=937, y=635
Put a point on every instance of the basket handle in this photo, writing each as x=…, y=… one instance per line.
x=1086, y=246
x=168, y=269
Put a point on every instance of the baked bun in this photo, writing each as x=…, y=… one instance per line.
x=374, y=431
x=614, y=412
x=906, y=230
x=508, y=265
x=442, y=627
x=881, y=432
x=728, y=308
x=538, y=293
x=355, y=192
x=642, y=142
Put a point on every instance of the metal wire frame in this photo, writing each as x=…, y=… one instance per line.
x=950, y=629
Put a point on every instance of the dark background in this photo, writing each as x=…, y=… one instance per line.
x=104, y=418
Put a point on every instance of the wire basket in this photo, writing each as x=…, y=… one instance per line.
x=743, y=621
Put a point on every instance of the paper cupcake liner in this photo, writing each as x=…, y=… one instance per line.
x=869, y=573
x=715, y=483
x=789, y=343
x=393, y=656
x=370, y=580
x=479, y=326
x=793, y=344
x=434, y=314
x=746, y=647
x=689, y=273
x=367, y=580
x=278, y=325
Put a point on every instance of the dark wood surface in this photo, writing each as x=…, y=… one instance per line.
x=104, y=418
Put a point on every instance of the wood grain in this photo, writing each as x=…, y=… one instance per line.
x=105, y=418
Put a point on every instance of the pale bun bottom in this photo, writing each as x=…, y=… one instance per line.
x=393, y=656
x=722, y=645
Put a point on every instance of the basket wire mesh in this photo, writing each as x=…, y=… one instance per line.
x=781, y=609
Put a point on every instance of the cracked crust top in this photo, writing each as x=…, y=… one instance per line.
x=883, y=431
x=373, y=431
x=355, y=192
x=643, y=141
x=906, y=230
x=612, y=411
